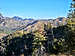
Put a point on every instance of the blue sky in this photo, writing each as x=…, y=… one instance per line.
x=35, y=8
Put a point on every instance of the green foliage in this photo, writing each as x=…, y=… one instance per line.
x=37, y=43
x=53, y=41
x=71, y=25
x=71, y=13
x=60, y=45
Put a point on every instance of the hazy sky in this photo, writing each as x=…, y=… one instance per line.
x=35, y=8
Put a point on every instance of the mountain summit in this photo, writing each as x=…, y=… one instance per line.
x=17, y=18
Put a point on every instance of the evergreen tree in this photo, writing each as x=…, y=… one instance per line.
x=71, y=25
x=38, y=44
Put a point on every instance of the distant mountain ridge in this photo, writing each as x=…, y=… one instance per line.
x=19, y=18
x=9, y=25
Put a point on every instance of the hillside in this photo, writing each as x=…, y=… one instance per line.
x=9, y=25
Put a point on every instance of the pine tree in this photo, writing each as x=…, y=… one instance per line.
x=71, y=25
x=38, y=47
x=50, y=37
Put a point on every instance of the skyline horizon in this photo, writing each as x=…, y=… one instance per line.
x=35, y=9
x=23, y=17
